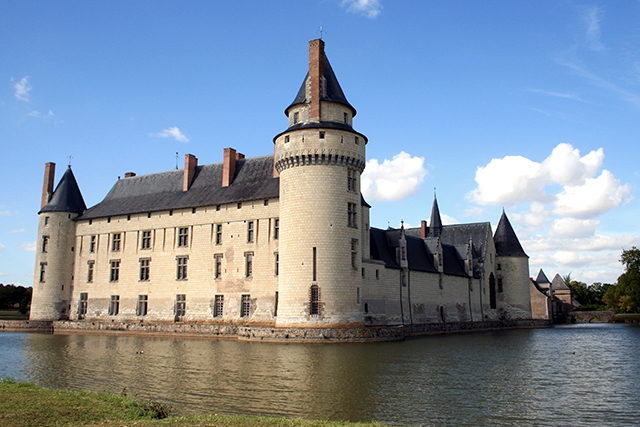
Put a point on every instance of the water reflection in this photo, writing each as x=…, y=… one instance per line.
x=581, y=374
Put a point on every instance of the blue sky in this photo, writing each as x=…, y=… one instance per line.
x=533, y=107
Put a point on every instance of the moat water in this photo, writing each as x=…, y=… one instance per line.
x=583, y=374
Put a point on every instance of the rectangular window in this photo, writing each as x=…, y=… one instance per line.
x=144, y=269
x=266, y=202
x=114, y=305
x=146, y=240
x=90, y=266
x=321, y=135
x=181, y=306
x=43, y=269
x=276, y=229
x=345, y=117
x=357, y=140
x=351, y=181
x=354, y=253
x=115, y=242
x=141, y=309
x=246, y=305
x=181, y=273
x=277, y=256
x=45, y=244
x=250, y=230
x=275, y=306
x=314, y=300
x=218, y=234
x=183, y=237
x=114, y=273
x=351, y=215
x=219, y=306
x=92, y=244
x=248, y=264
x=218, y=267
x=296, y=117
x=500, y=284
x=314, y=264
x=82, y=305
x=46, y=220
x=377, y=274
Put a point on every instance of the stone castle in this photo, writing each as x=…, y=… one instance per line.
x=271, y=243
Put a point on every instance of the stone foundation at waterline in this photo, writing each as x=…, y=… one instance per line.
x=269, y=334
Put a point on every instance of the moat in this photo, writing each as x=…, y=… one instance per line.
x=583, y=374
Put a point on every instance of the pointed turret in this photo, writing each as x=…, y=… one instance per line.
x=66, y=197
x=505, y=239
x=542, y=280
x=435, y=226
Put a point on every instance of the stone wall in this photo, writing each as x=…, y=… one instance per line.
x=589, y=316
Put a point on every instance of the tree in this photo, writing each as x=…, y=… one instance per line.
x=625, y=295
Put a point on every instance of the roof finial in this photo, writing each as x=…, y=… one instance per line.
x=321, y=31
x=176, y=160
x=434, y=192
x=70, y=157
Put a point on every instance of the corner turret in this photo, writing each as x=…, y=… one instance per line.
x=53, y=277
x=512, y=272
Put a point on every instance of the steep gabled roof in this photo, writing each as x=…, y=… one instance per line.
x=66, y=197
x=558, y=283
x=542, y=279
x=435, y=225
x=333, y=91
x=253, y=180
x=506, y=241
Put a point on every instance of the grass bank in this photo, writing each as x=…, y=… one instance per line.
x=25, y=404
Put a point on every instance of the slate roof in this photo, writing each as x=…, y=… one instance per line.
x=459, y=234
x=66, y=197
x=559, y=284
x=435, y=225
x=419, y=257
x=542, y=278
x=333, y=91
x=253, y=180
x=505, y=239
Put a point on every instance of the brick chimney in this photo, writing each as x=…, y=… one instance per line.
x=423, y=229
x=316, y=73
x=190, y=163
x=47, y=186
x=129, y=174
x=229, y=165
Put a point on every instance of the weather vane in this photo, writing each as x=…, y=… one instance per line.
x=176, y=160
x=70, y=157
x=321, y=31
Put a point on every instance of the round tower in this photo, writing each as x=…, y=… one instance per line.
x=512, y=272
x=320, y=158
x=53, y=276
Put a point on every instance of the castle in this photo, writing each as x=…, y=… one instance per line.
x=277, y=241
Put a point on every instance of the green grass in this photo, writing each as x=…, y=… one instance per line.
x=12, y=315
x=26, y=404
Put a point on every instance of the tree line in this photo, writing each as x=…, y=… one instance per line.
x=621, y=297
x=14, y=297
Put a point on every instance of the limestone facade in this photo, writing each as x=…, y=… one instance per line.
x=281, y=241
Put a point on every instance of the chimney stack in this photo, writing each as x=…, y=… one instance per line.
x=423, y=229
x=129, y=174
x=316, y=74
x=47, y=186
x=190, y=163
x=229, y=165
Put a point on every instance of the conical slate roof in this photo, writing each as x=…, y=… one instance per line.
x=66, y=197
x=542, y=278
x=559, y=284
x=333, y=93
x=435, y=226
x=505, y=239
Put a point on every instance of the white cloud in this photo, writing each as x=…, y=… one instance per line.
x=573, y=228
x=18, y=230
x=36, y=113
x=448, y=220
x=28, y=246
x=393, y=179
x=592, y=18
x=508, y=181
x=22, y=89
x=369, y=8
x=515, y=179
x=172, y=132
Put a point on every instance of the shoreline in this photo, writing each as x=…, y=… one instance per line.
x=268, y=334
